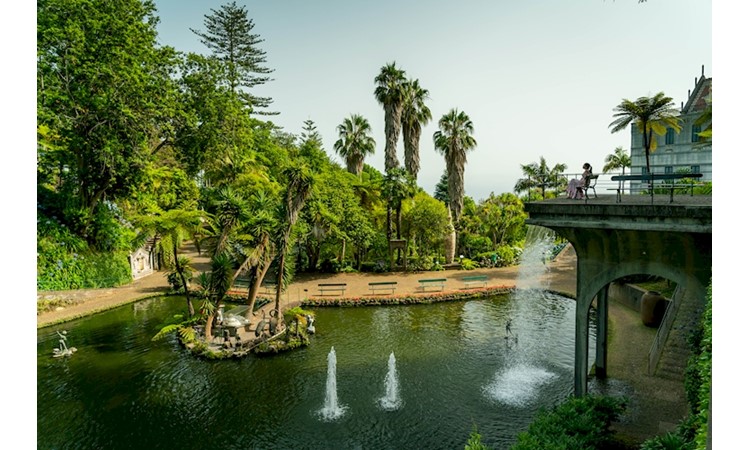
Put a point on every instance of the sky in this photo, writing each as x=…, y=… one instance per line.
x=537, y=78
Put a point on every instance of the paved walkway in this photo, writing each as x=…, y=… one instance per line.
x=657, y=404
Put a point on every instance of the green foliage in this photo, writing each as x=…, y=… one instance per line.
x=668, y=441
x=579, y=423
x=475, y=441
x=290, y=314
x=64, y=261
x=468, y=264
x=698, y=379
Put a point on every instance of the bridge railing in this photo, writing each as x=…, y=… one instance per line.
x=605, y=185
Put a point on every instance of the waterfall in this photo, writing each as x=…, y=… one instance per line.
x=391, y=400
x=533, y=265
x=331, y=408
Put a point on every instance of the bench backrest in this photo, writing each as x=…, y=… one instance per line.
x=378, y=283
x=433, y=279
x=332, y=284
x=589, y=179
x=656, y=176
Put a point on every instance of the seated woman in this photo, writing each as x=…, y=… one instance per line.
x=574, y=184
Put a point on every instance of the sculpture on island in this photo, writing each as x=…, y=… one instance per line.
x=261, y=325
x=63, y=350
x=310, y=326
x=273, y=322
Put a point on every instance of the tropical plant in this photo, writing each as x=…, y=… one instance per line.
x=414, y=116
x=299, y=186
x=229, y=35
x=541, y=176
x=354, y=142
x=652, y=115
x=452, y=140
x=219, y=282
x=389, y=92
x=173, y=227
x=398, y=186
x=618, y=160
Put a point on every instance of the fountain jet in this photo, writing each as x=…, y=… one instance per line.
x=331, y=408
x=391, y=401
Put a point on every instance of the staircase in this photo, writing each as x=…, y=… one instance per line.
x=669, y=354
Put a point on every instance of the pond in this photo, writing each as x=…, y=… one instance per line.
x=454, y=369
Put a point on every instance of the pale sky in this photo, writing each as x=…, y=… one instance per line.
x=537, y=78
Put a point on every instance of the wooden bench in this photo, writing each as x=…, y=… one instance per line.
x=651, y=178
x=475, y=280
x=433, y=282
x=588, y=185
x=332, y=287
x=383, y=286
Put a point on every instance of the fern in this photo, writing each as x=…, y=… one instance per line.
x=166, y=330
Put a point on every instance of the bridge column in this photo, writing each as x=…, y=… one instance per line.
x=602, y=314
x=581, y=369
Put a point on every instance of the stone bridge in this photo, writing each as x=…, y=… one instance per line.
x=635, y=236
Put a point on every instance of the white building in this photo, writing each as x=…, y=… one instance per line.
x=683, y=151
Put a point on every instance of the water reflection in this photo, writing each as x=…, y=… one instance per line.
x=455, y=369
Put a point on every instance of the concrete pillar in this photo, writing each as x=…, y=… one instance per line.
x=582, y=348
x=602, y=314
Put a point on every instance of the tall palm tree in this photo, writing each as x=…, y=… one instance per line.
x=389, y=92
x=652, y=115
x=452, y=140
x=299, y=188
x=354, y=142
x=541, y=175
x=415, y=115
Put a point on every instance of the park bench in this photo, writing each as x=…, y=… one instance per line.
x=241, y=283
x=590, y=183
x=383, y=286
x=433, y=282
x=332, y=287
x=475, y=280
x=651, y=178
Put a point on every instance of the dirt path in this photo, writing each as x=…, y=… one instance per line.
x=656, y=404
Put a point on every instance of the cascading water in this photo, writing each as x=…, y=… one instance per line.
x=391, y=400
x=519, y=381
x=331, y=408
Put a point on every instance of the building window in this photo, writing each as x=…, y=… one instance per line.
x=643, y=170
x=669, y=138
x=695, y=169
x=668, y=169
x=694, y=137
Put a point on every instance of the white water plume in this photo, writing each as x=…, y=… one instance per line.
x=331, y=408
x=533, y=266
x=518, y=385
x=391, y=399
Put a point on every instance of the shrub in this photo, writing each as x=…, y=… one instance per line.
x=577, y=423
x=467, y=264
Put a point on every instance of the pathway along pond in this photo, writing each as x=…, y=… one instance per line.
x=453, y=365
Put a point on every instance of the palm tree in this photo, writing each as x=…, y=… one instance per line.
x=389, y=92
x=415, y=115
x=354, y=142
x=174, y=227
x=619, y=160
x=299, y=187
x=541, y=176
x=452, y=140
x=652, y=115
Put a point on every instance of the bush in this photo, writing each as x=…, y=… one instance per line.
x=576, y=424
x=467, y=264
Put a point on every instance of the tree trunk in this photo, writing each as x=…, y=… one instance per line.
x=252, y=290
x=343, y=251
x=279, y=282
x=191, y=310
x=450, y=240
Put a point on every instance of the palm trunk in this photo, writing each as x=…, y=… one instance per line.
x=179, y=269
x=450, y=240
x=252, y=290
x=279, y=282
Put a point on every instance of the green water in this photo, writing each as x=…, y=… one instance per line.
x=455, y=369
